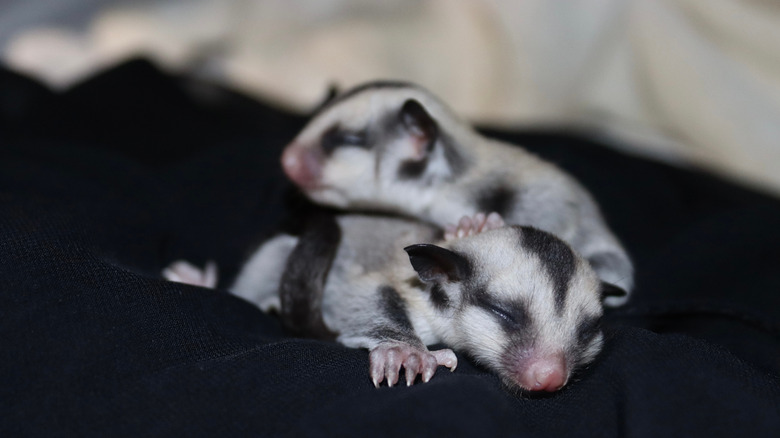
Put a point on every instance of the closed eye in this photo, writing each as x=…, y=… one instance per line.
x=353, y=139
x=503, y=314
x=336, y=137
x=511, y=314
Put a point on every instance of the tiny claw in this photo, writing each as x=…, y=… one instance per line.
x=427, y=374
x=376, y=367
x=392, y=377
x=393, y=366
x=411, y=368
x=429, y=367
x=446, y=357
x=386, y=361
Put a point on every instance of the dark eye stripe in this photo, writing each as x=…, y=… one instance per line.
x=587, y=328
x=511, y=315
x=336, y=137
x=353, y=139
x=439, y=298
x=503, y=314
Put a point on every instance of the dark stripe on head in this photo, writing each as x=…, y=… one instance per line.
x=439, y=298
x=499, y=199
x=436, y=294
x=556, y=257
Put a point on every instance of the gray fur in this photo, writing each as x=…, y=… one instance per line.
x=457, y=172
x=496, y=302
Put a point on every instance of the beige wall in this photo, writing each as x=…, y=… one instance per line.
x=688, y=81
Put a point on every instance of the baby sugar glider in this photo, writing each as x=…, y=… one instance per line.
x=394, y=147
x=517, y=299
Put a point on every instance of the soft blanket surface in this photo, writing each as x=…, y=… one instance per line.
x=104, y=185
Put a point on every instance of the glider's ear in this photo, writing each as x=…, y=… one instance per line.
x=610, y=290
x=332, y=92
x=420, y=126
x=436, y=264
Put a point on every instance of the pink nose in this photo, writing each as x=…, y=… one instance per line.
x=546, y=374
x=302, y=165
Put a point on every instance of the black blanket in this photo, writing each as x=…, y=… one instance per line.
x=104, y=185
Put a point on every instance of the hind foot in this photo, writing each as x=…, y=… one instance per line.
x=469, y=226
x=181, y=271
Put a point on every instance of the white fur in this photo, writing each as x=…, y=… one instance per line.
x=258, y=280
x=359, y=178
x=370, y=256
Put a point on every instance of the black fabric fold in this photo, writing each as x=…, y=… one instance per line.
x=103, y=185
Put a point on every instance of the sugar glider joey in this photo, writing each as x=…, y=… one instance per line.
x=393, y=146
x=517, y=299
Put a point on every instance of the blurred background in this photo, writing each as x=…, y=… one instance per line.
x=691, y=82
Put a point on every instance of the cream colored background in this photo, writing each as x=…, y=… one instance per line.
x=689, y=81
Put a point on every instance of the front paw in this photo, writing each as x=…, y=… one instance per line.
x=469, y=226
x=387, y=359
